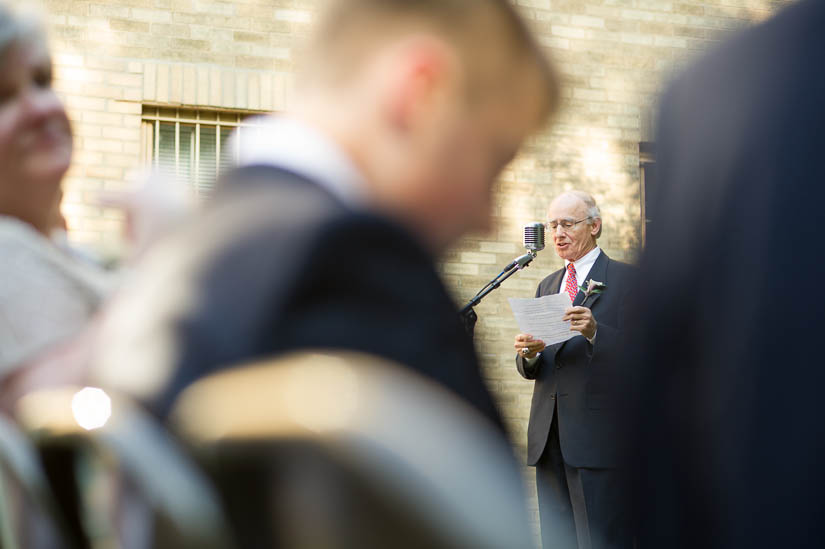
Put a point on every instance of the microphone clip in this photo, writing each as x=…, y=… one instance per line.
x=525, y=260
x=518, y=263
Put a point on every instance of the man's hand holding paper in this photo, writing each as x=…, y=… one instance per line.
x=543, y=318
x=528, y=346
x=582, y=321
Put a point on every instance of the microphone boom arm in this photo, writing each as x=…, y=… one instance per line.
x=534, y=242
x=467, y=313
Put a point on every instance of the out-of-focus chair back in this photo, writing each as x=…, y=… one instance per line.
x=135, y=488
x=346, y=451
x=28, y=514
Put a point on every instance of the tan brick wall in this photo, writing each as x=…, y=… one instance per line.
x=615, y=56
x=111, y=57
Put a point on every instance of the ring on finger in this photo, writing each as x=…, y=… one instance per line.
x=525, y=350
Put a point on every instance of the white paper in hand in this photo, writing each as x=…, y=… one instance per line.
x=541, y=317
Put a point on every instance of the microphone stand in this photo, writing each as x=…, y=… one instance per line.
x=467, y=314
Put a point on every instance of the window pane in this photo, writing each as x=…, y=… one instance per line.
x=227, y=149
x=208, y=160
x=195, y=153
x=228, y=117
x=166, y=149
x=208, y=115
x=184, y=168
x=186, y=161
x=187, y=114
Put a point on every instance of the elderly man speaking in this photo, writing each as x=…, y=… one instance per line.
x=570, y=436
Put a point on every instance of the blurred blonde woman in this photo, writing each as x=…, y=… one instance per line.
x=47, y=295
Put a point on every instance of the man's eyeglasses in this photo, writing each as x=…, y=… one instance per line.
x=565, y=224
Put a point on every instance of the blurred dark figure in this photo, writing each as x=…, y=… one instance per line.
x=325, y=235
x=731, y=444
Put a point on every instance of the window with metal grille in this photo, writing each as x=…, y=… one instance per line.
x=192, y=145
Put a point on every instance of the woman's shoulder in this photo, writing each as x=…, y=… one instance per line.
x=21, y=246
x=14, y=231
x=31, y=259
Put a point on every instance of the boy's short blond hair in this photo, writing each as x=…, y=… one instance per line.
x=489, y=35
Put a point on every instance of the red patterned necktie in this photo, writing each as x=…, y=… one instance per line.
x=572, y=287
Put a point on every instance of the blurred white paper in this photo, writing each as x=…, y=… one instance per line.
x=541, y=317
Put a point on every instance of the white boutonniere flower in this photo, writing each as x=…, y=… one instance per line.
x=593, y=287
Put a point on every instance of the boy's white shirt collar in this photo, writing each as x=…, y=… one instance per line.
x=285, y=142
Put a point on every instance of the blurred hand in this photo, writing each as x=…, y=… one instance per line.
x=526, y=341
x=152, y=207
x=582, y=321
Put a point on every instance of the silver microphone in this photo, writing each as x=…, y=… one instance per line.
x=533, y=241
x=534, y=237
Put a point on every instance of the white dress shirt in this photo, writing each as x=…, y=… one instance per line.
x=582, y=266
x=285, y=142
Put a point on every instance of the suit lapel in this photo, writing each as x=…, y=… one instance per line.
x=579, y=298
x=599, y=273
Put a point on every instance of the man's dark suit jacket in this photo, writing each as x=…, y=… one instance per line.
x=731, y=444
x=294, y=268
x=580, y=377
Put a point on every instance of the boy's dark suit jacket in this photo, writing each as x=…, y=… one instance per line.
x=293, y=268
x=580, y=377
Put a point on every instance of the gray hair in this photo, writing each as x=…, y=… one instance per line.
x=593, y=211
x=17, y=27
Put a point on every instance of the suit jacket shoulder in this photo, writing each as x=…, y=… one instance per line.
x=278, y=264
x=621, y=274
x=550, y=283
